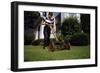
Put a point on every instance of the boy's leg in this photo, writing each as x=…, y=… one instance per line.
x=48, y=36
x=45, y=37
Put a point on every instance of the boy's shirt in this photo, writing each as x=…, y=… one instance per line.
x=49, y=21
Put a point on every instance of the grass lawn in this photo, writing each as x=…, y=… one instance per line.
x=37, y=53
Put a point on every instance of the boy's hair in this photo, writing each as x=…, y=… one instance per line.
x=50, y=13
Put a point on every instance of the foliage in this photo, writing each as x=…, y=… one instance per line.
x=28, y=36
x=85, y=22
x=30, y=19
x=71, y=31
x=30, y=25
x=70, y=25
x=35, y=42
x=79, y=39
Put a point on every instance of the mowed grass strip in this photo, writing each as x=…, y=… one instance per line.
x=37, y=53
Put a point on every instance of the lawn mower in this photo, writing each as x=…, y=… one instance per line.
x=58, y=43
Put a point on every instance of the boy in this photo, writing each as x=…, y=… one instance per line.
x=49, y=22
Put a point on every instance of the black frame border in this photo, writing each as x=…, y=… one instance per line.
x=14, y=36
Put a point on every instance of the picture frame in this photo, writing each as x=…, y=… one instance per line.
x=18, y=21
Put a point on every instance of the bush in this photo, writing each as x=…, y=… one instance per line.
x=70, y=26
x=28, y=36
x=79, y=39
x=36, y=42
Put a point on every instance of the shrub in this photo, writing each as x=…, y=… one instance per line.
x=70, y=26
x=36, y=42
x=79, y=39
x=28, y=36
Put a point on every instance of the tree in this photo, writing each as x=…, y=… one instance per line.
x=70, y=26
x=85, y=22
x=30, y=25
